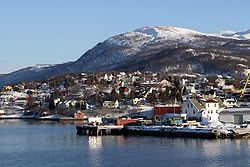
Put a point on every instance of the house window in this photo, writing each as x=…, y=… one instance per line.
x=208, y=112
x=211, y=111
x=208, y=105
x=191, y=105
x=186, y=111
x=188, y=105
x=214, y=104
x=210, y=118
x=193, y=112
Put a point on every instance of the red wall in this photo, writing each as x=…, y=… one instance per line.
x=126, y=121
x=166, y=110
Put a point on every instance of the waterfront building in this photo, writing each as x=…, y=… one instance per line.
x=79, y=115
x=95, y=120
x=203, y=110
x=235, y=115
x=123, y=121
x=161, y=110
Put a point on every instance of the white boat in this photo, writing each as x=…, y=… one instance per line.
x=11, y=116
x=54, y=117
x=18, y=115
x=2, y=112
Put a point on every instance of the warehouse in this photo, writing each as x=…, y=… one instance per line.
x=235, y=115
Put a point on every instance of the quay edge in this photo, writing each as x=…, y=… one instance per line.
x=164, y=131
x=170, y=131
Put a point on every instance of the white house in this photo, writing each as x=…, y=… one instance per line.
x=138, y=100
x=8, y=97
x=95, y=120
x=193, y=109
x=111, y=104
x=220, y=82
x=228, y=88
x=21, y=101
x=2, y=112
x=229, y=103
x=204, y=110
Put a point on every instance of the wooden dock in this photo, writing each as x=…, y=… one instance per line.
x=99, y=130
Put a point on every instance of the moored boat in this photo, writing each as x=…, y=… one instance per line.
x=54, y=117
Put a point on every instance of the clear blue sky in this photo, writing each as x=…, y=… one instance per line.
x=56, y=31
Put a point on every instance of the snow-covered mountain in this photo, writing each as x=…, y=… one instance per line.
x=115, y=50
x=159, y=48
x=242, y=35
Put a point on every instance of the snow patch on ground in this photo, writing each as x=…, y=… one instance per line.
x=242, y=65
x=192, y=51
x=242, y=35
x=235, y=58
x=213, y=55
x=169, y=33
x=40, y=67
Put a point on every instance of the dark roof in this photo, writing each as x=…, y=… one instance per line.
x=209, y=100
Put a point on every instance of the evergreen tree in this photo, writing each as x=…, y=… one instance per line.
x=152, y=98
x=30, y=102
x=52, y=105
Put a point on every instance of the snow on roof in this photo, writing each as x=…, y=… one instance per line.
x=2, y=111
x=13, y=94
x=230, y=100
x=211, y=101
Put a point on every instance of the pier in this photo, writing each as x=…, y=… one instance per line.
x=169, y=131
x=99, y=130
x=165, y=131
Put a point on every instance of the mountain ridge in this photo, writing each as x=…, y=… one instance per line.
x=158, y=48
x=241, y=35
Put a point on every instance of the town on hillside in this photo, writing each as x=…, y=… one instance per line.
x=136, y=97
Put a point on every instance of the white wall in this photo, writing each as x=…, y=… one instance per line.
x=211, y=112
x=229, y=118
x=191, y=111
x=95, y=119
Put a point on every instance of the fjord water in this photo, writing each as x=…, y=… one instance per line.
x=51, y=144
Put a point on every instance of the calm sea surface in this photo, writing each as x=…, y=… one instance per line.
x=51, y=144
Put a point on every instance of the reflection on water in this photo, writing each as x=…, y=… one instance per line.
x=49, y=144
x=210, y=149
x=95, y=146
x=95, y=142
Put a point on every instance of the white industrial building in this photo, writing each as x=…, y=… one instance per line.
x=235, y=115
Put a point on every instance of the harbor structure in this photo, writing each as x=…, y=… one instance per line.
x=203, y=110
x=235, y=115
x=93, y=130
